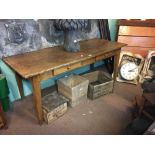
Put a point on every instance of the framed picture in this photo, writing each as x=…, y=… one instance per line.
x=149, y=66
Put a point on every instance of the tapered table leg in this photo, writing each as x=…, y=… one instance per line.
x=116, y=62
x=37, y=97
x=20, y=84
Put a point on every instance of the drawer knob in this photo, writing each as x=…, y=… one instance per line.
x=69, y=67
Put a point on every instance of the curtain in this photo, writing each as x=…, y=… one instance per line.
x=105, y=34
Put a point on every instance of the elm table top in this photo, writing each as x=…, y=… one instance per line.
x=37, y=62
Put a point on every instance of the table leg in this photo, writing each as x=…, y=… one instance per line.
x=37, y=97
x=116, y=62
x=20, y=84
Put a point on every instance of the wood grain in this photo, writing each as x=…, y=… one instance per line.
x=46, y=75
x=137, y=22
x=35, y=81
x=60, y=70
x=137, y=50
x=88, y=61
x=138, y=41
x=38, y=62
x=137, y=31
x=139, y=35
x=74, y=66
x=100, y=57
x=104, y=56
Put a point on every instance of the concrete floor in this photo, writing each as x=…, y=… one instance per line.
x=109, y=114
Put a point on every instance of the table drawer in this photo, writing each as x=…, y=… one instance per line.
x=46, y=75
x=60, y=70
x=100, y=57
x=104, y=56
x=74, y=66
x=67, y=68
x=88, y=61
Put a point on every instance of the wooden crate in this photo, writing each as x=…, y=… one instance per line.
x=100, y=83
x=80, y=100
x=54, y=106
x=75, y=88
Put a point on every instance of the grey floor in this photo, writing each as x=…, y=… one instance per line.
x=109, y=114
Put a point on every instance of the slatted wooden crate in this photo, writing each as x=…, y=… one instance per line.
x=75, y=88
x=100, y=83
x=54, y=106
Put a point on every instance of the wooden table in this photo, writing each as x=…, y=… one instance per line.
x=49, y=62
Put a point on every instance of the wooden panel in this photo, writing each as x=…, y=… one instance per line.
x=46, y=75
x=67, y=68
x=104, y=56
x=100, y=57
x=88, y=61
x=74, y=66
x=38, y=62
x=138, y=41
x=60, y=70
x=137, y=22
x=137, y=31
x=138, y=34
x=138, y=50
x=112, y=53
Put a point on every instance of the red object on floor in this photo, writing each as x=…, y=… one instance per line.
x=2, y=115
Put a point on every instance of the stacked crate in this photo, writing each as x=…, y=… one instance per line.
x=54, y=106
x=75, y=88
